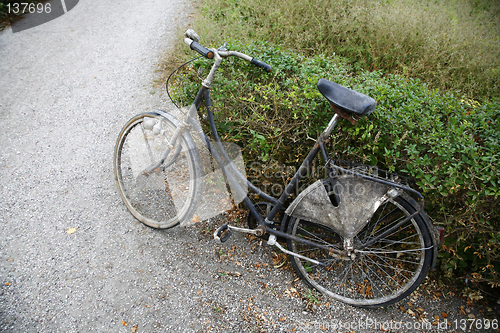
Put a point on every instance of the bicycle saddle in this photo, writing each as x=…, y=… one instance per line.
x=346, y=99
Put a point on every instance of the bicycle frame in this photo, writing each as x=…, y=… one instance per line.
x=232, y=173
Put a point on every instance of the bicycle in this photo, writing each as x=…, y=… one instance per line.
x=358, y=235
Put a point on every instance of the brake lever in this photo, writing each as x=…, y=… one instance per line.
x=224, y=48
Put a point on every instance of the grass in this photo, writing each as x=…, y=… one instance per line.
x=450, y=45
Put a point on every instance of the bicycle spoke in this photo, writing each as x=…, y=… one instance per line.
x=382, y=273
x=393, y=267
x=314, y=237
x=388, y=275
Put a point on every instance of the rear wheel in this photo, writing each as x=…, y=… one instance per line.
x=168, y=194
x=378, y=275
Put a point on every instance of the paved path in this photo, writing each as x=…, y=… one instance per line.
x=66, y=89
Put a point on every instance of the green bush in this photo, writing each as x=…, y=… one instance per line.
x=447, y=142
x=450, y=146
x=452, y=45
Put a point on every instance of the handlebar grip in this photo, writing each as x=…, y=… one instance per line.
x=261, y=64
x=201, y=50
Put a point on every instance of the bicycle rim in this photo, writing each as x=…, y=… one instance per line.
x=166, y=196
x=378, y=275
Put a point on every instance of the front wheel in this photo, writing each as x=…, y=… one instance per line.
x=378, y=275
x=167, y=195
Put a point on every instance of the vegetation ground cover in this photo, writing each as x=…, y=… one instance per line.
x=452, y=45
x=436, y=133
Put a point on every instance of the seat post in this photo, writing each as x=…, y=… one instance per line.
x=331, y=125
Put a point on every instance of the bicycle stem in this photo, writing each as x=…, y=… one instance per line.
x=207, y=83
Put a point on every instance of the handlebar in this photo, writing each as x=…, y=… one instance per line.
x=192, y=40
x=261, y=64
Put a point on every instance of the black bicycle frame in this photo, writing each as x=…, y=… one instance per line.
x=226, y=164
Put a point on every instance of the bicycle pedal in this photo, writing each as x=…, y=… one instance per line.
x=222, y=234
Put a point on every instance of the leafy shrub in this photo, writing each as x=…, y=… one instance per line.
x=449, y=145
x=449, y=45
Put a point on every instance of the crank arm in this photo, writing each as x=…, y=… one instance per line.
x=331, y=250
x=223, y=233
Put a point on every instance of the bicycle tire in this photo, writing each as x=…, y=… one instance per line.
x=168, y=195
x=380, y=276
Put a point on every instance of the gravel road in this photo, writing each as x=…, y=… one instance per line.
x=66, y=89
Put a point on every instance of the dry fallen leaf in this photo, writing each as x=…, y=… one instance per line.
x=291, y=292
x=134, y=329
x=71, y=231
x=124, y=323
x=195, y=219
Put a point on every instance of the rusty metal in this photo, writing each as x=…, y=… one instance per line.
x=344, y=114
x=260, y=231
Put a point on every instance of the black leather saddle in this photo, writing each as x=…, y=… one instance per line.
x=345, y=99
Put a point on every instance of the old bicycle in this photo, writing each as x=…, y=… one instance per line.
x=359, y=235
